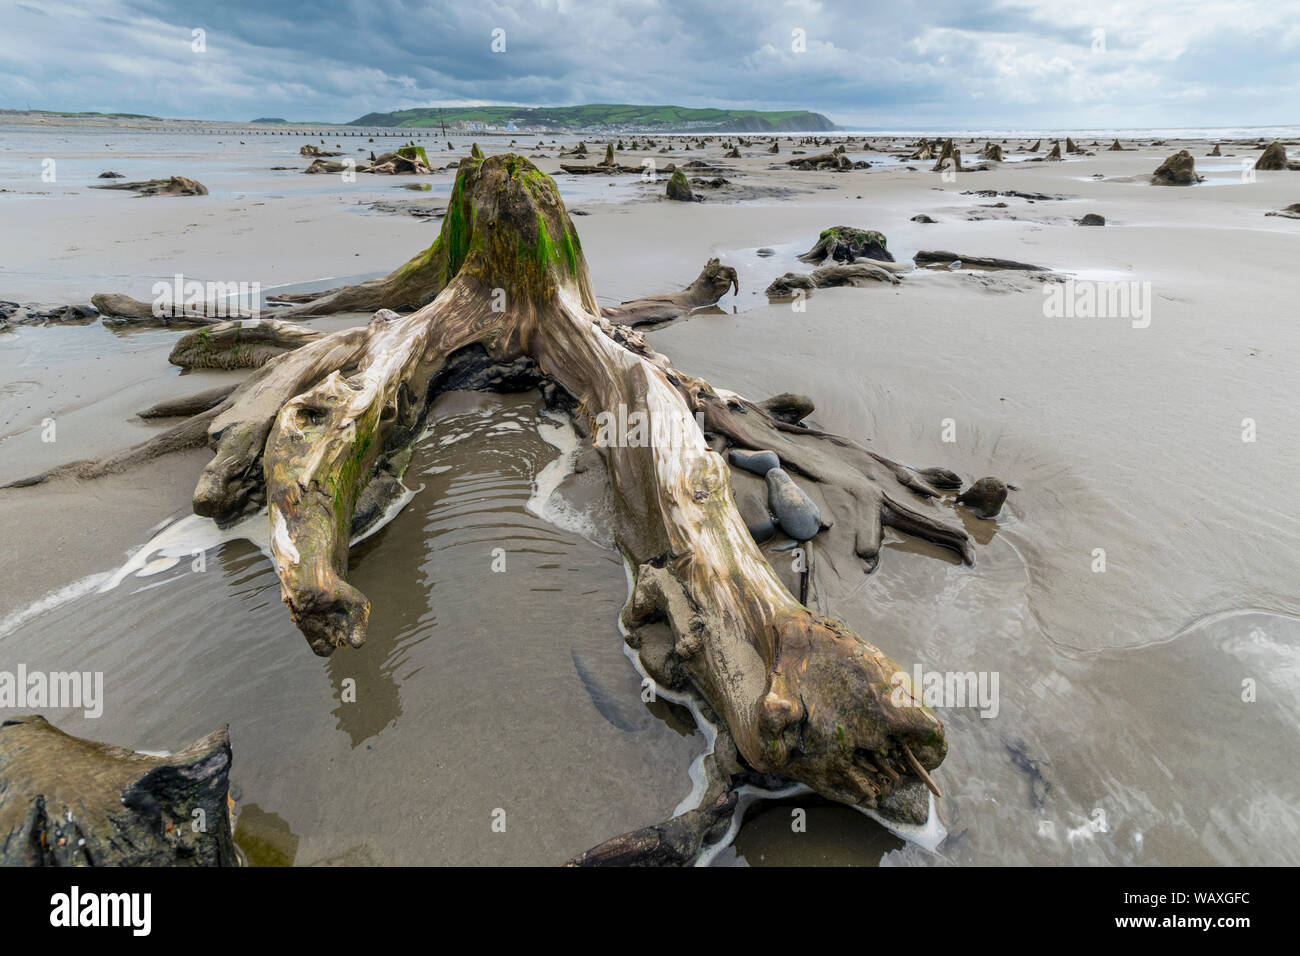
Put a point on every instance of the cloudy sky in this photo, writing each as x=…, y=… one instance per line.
x=910, y=63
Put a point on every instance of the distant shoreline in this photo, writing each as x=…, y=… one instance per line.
x=37, y=119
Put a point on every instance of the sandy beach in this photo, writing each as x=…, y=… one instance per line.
x=1164, y=438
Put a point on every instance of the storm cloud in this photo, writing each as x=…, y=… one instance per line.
x=1002, y=63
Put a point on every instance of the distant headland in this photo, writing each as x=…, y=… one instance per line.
x=601, y=117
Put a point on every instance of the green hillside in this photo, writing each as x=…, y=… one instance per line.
x=603, y=115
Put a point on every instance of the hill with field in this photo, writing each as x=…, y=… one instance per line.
x=600, y=116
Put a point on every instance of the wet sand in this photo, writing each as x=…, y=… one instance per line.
x=1120, y=692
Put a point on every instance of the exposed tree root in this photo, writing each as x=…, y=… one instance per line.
x=316, y=430
x=190, y=433
x=190, y=404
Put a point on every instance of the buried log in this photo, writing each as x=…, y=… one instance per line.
x=942, y=258
x=600, y=169
x=856, y=274
x=713, y=282
x=120, y=310
x=837, y=161
x=313, y=430
x=65, y=801
x=173, y=186
x=190, y=433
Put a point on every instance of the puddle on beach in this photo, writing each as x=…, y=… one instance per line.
x=475, y=690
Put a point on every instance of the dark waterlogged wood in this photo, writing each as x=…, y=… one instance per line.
x=65, y=801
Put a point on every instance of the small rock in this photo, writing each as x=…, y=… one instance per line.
x=757, y=462
x=985, y=497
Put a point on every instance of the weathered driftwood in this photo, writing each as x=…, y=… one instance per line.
x=676, y=842
x=65, y=801
x=709, y=286
x=118, y=309
x=314, y=431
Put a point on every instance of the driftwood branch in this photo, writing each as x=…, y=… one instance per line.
x=713, y=282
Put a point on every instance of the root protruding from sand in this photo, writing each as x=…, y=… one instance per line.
x=506, y=302
x=713, y=282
